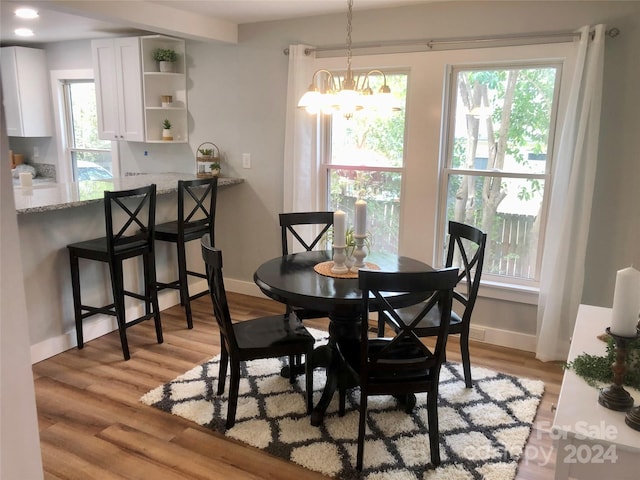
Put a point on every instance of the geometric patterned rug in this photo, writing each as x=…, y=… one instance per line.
x=483, y=430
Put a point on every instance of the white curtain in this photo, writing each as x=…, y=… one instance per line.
x=563, y=264
x=301, y=192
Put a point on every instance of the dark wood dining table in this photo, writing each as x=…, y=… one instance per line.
x=291, y=279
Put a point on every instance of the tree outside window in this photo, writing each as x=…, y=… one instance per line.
x=498, y=161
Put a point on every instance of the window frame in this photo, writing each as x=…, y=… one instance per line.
x=446, y=170
x=64, y=168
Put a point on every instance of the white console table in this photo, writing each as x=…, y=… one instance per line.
x=592, y=441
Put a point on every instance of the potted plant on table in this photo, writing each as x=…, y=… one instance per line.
x=166, y=58
x=166, y=130
x=207, y=160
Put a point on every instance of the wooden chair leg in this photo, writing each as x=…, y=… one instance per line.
x=234, y=385
x=151, y=293
x=117, y=285
x=77, y=302
x=434, y=436
x=361, y=430
x=222, y=371
x=466, y=360
x=184, y=282
x=309, y=379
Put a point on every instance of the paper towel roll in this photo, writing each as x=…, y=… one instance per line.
x=26, y=179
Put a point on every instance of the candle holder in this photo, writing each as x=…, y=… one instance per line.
x=339, y=259
x=615, y=397
x=358, y=253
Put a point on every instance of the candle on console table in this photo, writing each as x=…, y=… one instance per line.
x=339, y=228
x=361, y=218
x=626, y=303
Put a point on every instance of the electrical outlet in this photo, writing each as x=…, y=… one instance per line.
x=246, y=160
x=36, y=152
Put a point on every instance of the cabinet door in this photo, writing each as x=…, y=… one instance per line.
x=117, y=71
x=129, y=77
x=26, y=92
x=107, y=101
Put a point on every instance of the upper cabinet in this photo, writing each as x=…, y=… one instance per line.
x=165, y=92
x=118, y=78
x=25, y=87
x=130, y=89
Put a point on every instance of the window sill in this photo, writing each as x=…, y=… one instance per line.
x=509, y=291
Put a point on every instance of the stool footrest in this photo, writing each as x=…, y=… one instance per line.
x=107, y=310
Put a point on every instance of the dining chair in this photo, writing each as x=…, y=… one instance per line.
x=196, y=216
x=129, y=220
x=263, y=337
x=306, y=230
x=466, y=249
x=403, y=365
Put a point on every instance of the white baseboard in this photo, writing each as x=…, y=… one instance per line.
x=103, y=324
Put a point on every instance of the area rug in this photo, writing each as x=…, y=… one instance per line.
x=483, y=430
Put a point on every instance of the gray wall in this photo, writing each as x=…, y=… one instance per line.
x=236, y=97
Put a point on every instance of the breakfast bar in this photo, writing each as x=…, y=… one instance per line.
x=53, y=215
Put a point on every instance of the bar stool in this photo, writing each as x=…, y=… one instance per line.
x=130, y=220
x=196, y=216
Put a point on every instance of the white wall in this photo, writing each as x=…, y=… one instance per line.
x=19, y=439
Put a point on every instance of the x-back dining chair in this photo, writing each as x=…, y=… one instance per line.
x=129, y=224
x=196, y=216
x=293, y=224
x=263, y=337
x=466, y=249
x=403, y=365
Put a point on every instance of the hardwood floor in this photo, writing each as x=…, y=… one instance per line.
x=92, y=425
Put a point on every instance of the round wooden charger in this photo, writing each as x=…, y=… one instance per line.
x=324, y=268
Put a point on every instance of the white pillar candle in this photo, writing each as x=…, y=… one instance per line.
x=26, y=180
x=626, y=303
x=339, y=228
x=361, y=217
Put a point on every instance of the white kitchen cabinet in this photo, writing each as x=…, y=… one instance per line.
x=25, y=86
x=118, y=78
x=157, y=85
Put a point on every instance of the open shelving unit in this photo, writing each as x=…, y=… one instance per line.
x=155, y=84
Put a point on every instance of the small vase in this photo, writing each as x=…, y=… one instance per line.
x=165, y=67
x=166, y=134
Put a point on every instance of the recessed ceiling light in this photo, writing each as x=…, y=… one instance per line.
x=23, y=32
x=26, y=13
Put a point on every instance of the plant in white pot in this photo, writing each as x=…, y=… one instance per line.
x=214, y=169
x=166, y=58
x=166, y=130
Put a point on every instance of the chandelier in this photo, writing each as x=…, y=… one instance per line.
x=327, y=94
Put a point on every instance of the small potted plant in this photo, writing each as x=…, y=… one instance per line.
x=205, y=153
x=166, y=130
x=166, y=57
x=214, y=168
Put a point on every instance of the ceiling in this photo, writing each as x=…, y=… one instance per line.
x=74, y=20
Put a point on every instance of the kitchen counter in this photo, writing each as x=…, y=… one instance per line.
x=55, y=196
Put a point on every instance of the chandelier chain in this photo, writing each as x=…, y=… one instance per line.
x=349, y=28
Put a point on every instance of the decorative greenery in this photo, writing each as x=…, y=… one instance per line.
x=207, y=152
x=165, y=55
x=596, y=370
x=214, y=166
x=166, y=124
x=350, y=240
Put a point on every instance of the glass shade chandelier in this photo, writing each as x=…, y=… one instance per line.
x=327, y=94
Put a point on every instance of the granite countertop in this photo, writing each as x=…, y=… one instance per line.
x=55, y=196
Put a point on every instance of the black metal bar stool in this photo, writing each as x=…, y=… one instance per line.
x=130, y=221
x=196, y=216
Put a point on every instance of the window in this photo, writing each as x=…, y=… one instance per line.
x=497, y=161
x=364, y=158
x=89, y=157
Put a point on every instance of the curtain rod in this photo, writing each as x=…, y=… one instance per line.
x=430, y=44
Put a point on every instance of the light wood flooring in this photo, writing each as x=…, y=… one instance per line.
x=92, y=425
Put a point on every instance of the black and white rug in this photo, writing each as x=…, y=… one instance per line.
x=483, y=430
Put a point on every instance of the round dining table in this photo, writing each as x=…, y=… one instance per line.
x=292, y=279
